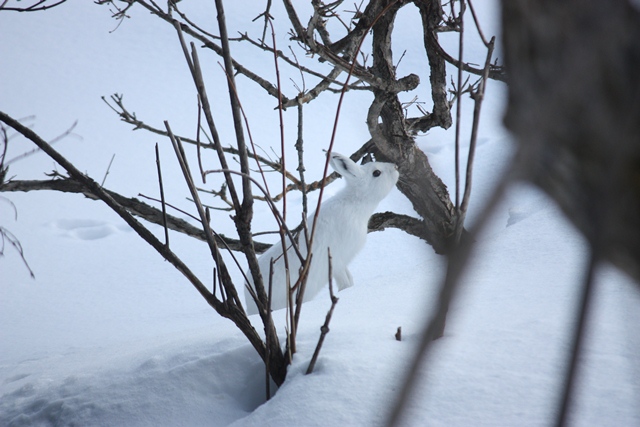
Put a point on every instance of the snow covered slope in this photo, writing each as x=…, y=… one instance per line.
x=108, y=334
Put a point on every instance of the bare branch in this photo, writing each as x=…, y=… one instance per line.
x=496, y=72
x=283, y=161
x=393, y=141
x=431, y=15
x=295, y=21
x=53, y=141
x=477, y=22
x=39, y=5
x=106, y=174
x=382, y=220
x=245, y=214
x=317, y=90
x=267, y=16
x=174, y=5
x=378, y=222
x=460, y=21
x=301, y=168
x=281, y=55
x=132, y=205
x=316, y=23
x=7, y=236
x=164, y=207
x=478, y=97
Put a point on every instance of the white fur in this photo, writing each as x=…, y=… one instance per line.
x=342, y=226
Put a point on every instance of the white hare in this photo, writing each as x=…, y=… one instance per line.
x=342, y=227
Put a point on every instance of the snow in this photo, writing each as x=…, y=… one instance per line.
x=109, y=334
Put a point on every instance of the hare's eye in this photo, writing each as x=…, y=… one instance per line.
x=376, y=173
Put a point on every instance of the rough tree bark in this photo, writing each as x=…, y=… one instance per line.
x=392, y=137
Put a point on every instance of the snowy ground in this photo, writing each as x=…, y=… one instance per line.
x=110, y=335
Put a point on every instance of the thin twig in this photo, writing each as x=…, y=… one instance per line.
x=268, y=321
x=174, y=5
x=58, y=138
x=175, y=208
x=306, y=97
x=324, y=329
x=247, y=198
x=132, y=205
x=164, y=207
x=285, y=58
x=301, y=169
x=33, y=8
x=496, y=72
x=13, y=241
x=478, y=97
x=477, y=22
x=221, y=194
x=283, y=162
x=108, y=169
x=198, y=129
x=267, y=17
x=304, y=83
x=459, y=103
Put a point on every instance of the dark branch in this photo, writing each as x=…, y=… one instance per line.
x=131, y=204
x=36, y=7
x=496, y=72
x=410, y=225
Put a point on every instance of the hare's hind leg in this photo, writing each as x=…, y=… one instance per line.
x=343, y=279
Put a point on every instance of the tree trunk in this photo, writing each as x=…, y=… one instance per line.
x=427, y=193
x=574, y=106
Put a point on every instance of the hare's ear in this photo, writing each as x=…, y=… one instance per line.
x=344, y=165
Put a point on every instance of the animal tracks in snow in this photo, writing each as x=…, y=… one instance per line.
x=86, y=229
